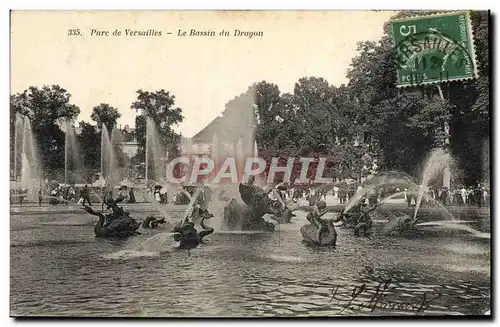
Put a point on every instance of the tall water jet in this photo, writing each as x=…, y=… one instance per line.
x=101, y=176
x=439, y=161
x=146, y=157
x=71, y=153
x=259, y=180
x=189, y=146
x=155, y=152
x=188, y=151
x=486, y=164
x=214, y=154
x=30, y=170
x=66, y=150
x=113, y=164
x=240, y=158
x=105, y=153
x=388, y=179
x=18, y=134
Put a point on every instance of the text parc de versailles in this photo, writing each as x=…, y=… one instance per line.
x=191, y=32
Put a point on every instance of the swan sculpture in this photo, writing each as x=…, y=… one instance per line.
x=188, y=236
x=111, y=226
x=319, y=231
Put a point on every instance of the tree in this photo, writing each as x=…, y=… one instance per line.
x=160, y=107
x=310, y=122
x=46, y=108
x=277, y=127
x=105, y=114
x=267, y=101
x=137, y=162
x=295, y=124
x=470, y=122
x=90, y=148
x=371, y=119
x=407, y=123
x=314, y=100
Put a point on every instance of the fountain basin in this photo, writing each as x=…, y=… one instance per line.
x=72, y=209
x=239, y=216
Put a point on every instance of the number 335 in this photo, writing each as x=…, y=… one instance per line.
x=74, y=32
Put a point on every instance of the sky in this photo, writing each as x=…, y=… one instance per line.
x=203, y=72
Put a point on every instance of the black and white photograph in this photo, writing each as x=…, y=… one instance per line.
x=250, y=163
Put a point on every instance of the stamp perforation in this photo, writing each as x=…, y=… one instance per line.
x=433, y=14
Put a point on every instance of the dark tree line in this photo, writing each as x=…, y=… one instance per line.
x=370, y=118
x=368, y=122
x=49, y=107
x=160, y=108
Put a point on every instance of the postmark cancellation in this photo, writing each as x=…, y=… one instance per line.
x=433, y=49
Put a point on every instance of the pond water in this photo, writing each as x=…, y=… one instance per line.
x=58, y=268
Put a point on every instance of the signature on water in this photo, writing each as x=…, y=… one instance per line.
x=376, y=301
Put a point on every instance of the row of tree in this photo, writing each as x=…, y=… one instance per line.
x=370, y=118
x=49, y=107
x=368, y=122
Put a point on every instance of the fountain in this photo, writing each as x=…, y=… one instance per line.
x=188, y=151
x=240, y=158
x=109, y=163
x=377, y=182
x=392, y=196
x=113, y=163
x=439, y=161
x=71, y=153
x=155, y=153
x=216, y=205
x=245, y=215
x=106, y=150
x=456, y=225
x=18, y=132
x=259, y=180
x=25, y=147
x=214, y=154
x=154, y=244
x=66, y=150
x=486, y=163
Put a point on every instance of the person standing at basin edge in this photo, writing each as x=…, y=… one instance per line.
x=463, y=194
x=40, y=196
x=131, y=196
x=66, y=194
x=84, y=194
x=478, y=192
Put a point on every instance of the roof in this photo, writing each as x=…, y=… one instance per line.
x=206, y=134
x=236, y=122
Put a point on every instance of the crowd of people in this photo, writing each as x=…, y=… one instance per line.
x=461, y=196
x=478, y=195
x=62, y=194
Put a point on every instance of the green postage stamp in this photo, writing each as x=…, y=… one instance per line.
x=434, y=49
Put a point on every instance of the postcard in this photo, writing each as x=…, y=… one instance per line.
x=250, y=164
